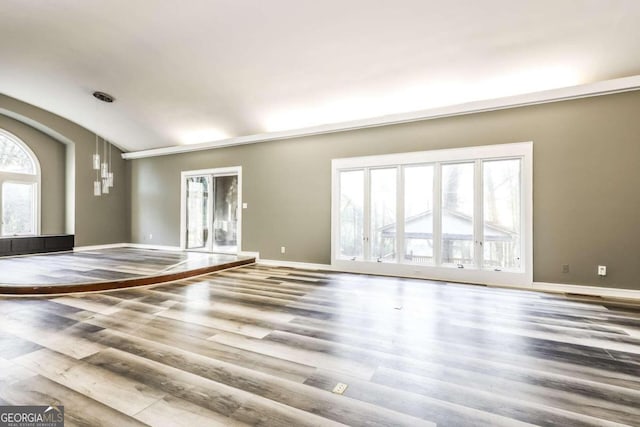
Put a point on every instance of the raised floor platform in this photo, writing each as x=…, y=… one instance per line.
x=106, y=269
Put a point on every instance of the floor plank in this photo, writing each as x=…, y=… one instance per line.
x=262, y=345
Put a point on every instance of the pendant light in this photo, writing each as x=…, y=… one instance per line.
x=96, y=166
x=102, y=164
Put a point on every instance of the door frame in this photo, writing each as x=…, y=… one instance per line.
x=224, y=171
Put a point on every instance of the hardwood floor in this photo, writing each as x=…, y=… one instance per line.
x=106, y=269
x=266, y=346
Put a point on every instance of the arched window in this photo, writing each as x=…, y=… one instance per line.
x=19, y=187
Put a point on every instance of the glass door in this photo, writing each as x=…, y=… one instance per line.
x=225, y=213
x=211, y=216
x=198, y=215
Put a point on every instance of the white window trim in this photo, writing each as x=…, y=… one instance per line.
x=23, y=178
x=523, y=150
x=226, y=171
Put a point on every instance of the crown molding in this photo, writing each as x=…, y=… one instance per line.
x=606, y=87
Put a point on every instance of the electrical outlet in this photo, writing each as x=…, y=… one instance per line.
x=340, y=388
x=150, y=236
x=565, y=268
x=602, y=270
x=245, y=205
x=283, y=249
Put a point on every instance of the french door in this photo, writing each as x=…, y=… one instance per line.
x=460, y=214
x=199, y=212
x=210, y=210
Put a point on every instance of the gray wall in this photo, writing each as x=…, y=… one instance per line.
x=52, y=157
x=586, y=184
x=96, y=220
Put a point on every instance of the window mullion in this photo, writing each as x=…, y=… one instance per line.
x=366, y=223
x=400, y=245
x=437, y=214
x=211, y=182
x=478, y=216
x=525, y=240
x=1, y=208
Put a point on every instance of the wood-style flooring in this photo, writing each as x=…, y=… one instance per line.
x=112, y=268
x=266, y=346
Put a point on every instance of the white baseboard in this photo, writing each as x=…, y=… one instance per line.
x=156, y=247
x=126, y=245
x=255, y=255
x=100, y=247
x=295, y=264
x=587, y=290
x=562, y=288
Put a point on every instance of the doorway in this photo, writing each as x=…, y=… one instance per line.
x=211, y=214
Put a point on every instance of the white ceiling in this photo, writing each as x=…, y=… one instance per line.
x=201, y=70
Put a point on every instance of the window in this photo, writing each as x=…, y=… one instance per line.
x=351, y=214
x=462, y=214
x=383, y=214
x=502, y=213
x=418, y=214
x=19, y=187
x=457, y=214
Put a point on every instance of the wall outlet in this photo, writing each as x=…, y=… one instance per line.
x=340, y=388
x=150, y=236
x=245, y=205
x=565, y=268
x=602, y=270
x=282, y=249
